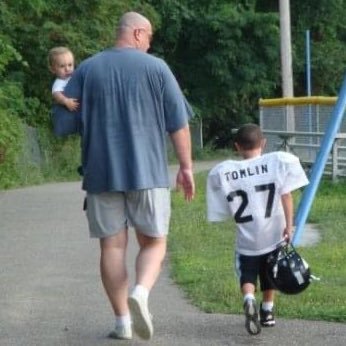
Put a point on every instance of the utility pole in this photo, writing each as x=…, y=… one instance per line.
x=286, y=50
x=286, y=63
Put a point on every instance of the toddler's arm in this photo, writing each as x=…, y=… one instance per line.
x=69, y=103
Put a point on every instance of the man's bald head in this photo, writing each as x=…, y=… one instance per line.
x=130, y=21
x=134, y=31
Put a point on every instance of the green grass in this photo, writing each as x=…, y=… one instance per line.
x=202, y=258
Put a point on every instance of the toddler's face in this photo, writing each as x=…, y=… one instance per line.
x=63, y=65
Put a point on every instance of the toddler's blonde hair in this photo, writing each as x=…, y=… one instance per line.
x=54, y=52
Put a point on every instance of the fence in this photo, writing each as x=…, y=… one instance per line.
x=298, y=124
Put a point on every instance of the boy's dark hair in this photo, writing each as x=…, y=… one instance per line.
x=249, y=137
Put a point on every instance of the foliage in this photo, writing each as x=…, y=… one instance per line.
x=326, y=24
x=11, y=134
x=200, y=251
x=225, y=53
x=7, y=54
x=34, y=27
x=28, y=30
x=61, y=157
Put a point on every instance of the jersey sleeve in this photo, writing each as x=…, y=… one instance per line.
x=217, y=205
x=293, y=174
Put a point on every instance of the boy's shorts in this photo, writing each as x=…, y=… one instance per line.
x=148, y=211
x=249, y=268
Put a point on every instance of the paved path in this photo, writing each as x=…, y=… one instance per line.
x=51, y=294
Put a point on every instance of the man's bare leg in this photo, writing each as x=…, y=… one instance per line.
x=149, y=259
x=113, y=271
x=148, y=266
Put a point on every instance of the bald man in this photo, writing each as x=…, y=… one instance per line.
x=129, y=101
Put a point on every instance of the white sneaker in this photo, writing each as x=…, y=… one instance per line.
x=252, y=323
x=121, y=332
x=141, y=317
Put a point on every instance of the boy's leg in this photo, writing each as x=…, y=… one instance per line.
x=267, y=309
x=252, y=324
x=246, y=268
x=267, y=306
x=268, y=295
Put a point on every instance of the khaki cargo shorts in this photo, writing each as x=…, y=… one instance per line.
x=148, y=211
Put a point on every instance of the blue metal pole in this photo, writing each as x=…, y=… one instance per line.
x=321, y=160
x=308, y=63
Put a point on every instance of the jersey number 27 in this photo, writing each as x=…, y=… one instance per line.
x=239, y=216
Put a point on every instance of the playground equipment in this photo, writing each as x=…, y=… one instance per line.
x=298, y=125
x=331, y=134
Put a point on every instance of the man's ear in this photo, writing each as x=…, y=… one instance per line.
x=237, y=146
x=136, y=34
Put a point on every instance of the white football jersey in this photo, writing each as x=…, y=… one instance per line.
x=250, y=191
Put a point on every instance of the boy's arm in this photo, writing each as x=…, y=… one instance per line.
x=71, y=104
x=287, y=204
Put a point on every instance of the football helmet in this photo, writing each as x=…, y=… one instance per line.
x=288, y=271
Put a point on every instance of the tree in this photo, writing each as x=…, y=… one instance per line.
x=224, y=54
x=325, y=20
x=35, y=26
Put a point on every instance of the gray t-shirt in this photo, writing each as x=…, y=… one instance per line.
x=129, y=100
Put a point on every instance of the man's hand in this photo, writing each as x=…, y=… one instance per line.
x=186, y=181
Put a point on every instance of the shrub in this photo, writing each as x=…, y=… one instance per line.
x=11, y=148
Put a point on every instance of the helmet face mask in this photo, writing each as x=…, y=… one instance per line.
x=288, y=271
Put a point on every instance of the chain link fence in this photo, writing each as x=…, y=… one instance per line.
x=298, y=124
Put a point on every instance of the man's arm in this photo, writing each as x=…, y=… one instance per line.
x=181, y=140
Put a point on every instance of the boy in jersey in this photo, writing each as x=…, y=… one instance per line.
x=256, y=192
